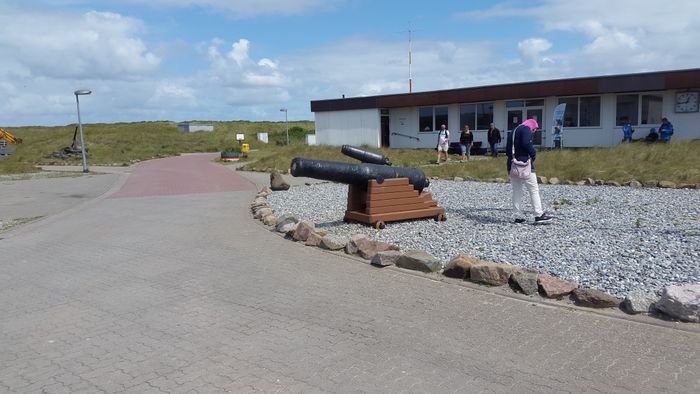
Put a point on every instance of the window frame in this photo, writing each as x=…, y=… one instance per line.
x=576, y=111
x=647, y=110
x=434, y=117
x=481, y=111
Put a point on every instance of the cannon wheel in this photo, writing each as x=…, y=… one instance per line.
x=379, y=225
x=440, y=217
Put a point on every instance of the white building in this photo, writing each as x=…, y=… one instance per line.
x=595, y=109
x=194, y=127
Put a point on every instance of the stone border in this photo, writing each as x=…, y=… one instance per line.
x=590, y=182
x=680, y=303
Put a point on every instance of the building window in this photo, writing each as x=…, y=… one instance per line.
x=430, y=118
x=627, y=109
x=476, y=116
x=651, y=108
x=426, y=118
x=467, y=116
x=581, y=111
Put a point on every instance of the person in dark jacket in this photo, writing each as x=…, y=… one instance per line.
x=494, y=137
x=665, y=130
x=519, y=145
x=466, y=139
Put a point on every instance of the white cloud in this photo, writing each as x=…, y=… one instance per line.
x=249, y=8
x=93, y=44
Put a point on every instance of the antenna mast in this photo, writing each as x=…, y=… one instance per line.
x=410, y=79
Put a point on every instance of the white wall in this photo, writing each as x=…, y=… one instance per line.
x=355, y=127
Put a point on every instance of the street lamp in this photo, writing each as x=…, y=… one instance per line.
x=81, y=92
x=286, y=122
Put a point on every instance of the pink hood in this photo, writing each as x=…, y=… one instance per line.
x=532, y=124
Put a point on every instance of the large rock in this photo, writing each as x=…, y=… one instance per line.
x=639, y=301
x=351, y=247
x=681, y=302
x=314, y=239
x=492, y=273
x=367, y=248
x=553, y=287
x=262, y=212
x=594, y=298
x=634, y=184
x=667, y=185
x=334, y=242
x=386, y=258
x=270, y=220
x=554, y=181
x=303, y=229
x=542, y=179
x=459, y=266
x=651, y=183
x=418, y=260
x=277, y=182
x=525, y=281
x=286, y=223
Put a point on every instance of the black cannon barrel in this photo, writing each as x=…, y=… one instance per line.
x=365, y=156
x=356, y=173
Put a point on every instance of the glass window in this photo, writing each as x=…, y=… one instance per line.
x=441, y=117
x=627, y=108
x=426, y=119
x=515, y=104
x=651, y=108
x=467, y=116
x=589, y=111
x=571, y=111
x=484, y=116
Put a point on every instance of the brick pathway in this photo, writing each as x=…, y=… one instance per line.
x=184, y=293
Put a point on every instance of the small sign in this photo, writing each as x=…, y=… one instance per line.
x=240, y=137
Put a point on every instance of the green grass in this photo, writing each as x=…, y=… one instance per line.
x=125, y=143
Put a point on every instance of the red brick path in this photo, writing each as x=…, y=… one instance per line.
x=186, y=174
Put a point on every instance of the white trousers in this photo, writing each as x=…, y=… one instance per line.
x=532, y=188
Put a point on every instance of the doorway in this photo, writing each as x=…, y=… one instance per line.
x=516, y=116
x=384, y=125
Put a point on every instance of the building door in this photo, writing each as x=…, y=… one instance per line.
x=516, y=116
x=384, y=124
x=536, y=113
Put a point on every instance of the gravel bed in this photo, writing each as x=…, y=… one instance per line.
x=615, y=239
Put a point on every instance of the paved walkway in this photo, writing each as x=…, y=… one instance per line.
x=181, y=291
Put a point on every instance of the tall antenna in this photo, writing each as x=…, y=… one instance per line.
x=410, y=78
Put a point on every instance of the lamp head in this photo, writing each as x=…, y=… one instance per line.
x=82, y=92
x=283, y=109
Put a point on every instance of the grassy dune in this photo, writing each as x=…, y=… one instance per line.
x=125, y=143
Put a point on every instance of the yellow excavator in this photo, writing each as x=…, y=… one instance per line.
x=9, y=137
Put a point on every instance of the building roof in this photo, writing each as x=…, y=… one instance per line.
x=660, y=80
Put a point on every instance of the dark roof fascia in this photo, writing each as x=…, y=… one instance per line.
x=660, y=80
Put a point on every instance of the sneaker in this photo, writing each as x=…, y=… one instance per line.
x=518, y=221
x=543, y=219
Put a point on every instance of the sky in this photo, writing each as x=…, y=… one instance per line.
x=221, y=60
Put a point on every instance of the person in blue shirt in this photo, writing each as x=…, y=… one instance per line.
x=627, y=131
x=665, y=130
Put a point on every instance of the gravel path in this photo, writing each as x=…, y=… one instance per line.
x=616, y=239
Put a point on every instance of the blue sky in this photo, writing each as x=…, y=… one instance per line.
x=184, y=60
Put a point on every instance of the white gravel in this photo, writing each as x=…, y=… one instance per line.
x=616, y=239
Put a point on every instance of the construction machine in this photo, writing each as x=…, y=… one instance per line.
x=9, y=138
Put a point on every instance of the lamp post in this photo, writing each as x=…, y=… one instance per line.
x=81, y=92
x=286, y=122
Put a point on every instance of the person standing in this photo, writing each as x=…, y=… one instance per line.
x=627, y=131
x=466, y=139
x=519, y=146
x=665, y=131
x=443, y=143
x=494, y=137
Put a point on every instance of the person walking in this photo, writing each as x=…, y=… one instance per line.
x=466, y=139
x=443, y=143
x=494, y=138
x=519, y=146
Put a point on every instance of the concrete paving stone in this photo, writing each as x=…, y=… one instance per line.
x=174, y=288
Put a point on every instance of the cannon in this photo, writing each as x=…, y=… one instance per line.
x=356, y=173
x=376, y=193
x=364, y=156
